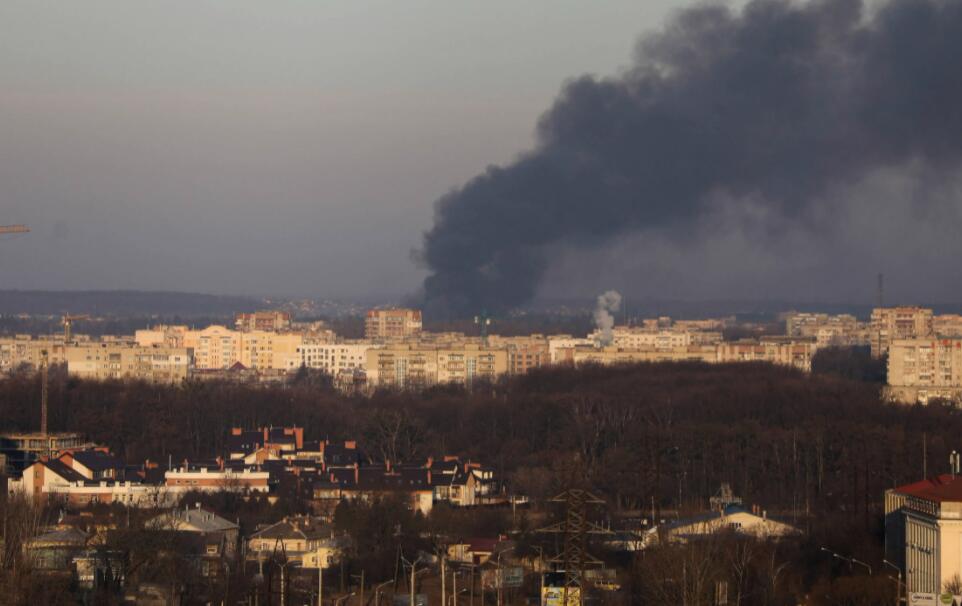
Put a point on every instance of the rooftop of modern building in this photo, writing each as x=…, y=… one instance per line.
x=942, y=488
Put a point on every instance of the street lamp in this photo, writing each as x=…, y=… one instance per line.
x=898, y=586
x=342, y=598
x=377, y=592
x=500, y=577
x=851, y=561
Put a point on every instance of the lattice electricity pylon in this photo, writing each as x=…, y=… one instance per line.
x=574, y=556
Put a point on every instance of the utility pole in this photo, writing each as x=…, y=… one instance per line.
x=43, y=393
x=454, y=581
x=414, y=566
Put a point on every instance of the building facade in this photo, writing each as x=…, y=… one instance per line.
x=109, y=361
x=396, y=323
x=923, y=532
x=269, y=321
x=891, y=323
x=922, y=369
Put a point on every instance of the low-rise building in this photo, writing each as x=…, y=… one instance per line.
x=733, y=518
x=923, y=532
x=201, y=521
x=217, y=476
x=367, y=483
x=308, y=541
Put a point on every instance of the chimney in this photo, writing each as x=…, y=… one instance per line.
x=357, y=474
x=429, y=477
x=266, y=435
x=220, y=463
x=387, y=465
x=299, y=437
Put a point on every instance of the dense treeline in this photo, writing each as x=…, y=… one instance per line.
x=672, y=431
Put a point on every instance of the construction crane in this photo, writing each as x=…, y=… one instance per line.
x=14, y=229
x=68, y=321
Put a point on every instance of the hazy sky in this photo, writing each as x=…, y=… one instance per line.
x=277, y=147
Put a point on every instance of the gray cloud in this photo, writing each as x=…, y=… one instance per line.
x=776, y=120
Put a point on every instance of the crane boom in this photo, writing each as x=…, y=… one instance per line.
x=14, y=229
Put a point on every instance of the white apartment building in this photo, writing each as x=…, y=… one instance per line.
x=331, y=358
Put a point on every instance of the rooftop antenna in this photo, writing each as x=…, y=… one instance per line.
x=881, y=278
x=484, y=321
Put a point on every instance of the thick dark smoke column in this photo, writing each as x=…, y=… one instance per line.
x=780, y=102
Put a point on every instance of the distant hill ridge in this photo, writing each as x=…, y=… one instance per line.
x=123, y=303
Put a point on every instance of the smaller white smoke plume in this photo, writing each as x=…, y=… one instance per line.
x=608, y=303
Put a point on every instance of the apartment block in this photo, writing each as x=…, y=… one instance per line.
x=923, y=369
x=645, y=338
x=29, y=352
x=842, y=330
x=891, y=323
x=406, y=365
x=618, y=355
x=331, y=358
x=269, y=321
x=264, y=350
x=395, y=323
x=947, y=325
x=104, y=361
x=524, y=353
x=558, y=346
x=782, y=352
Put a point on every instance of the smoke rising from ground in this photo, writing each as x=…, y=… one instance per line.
x=608, y=303
x=780, y=104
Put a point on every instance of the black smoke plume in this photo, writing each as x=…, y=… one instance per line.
x=779, y=102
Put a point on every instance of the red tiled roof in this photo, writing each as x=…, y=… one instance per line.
x=945, y=487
